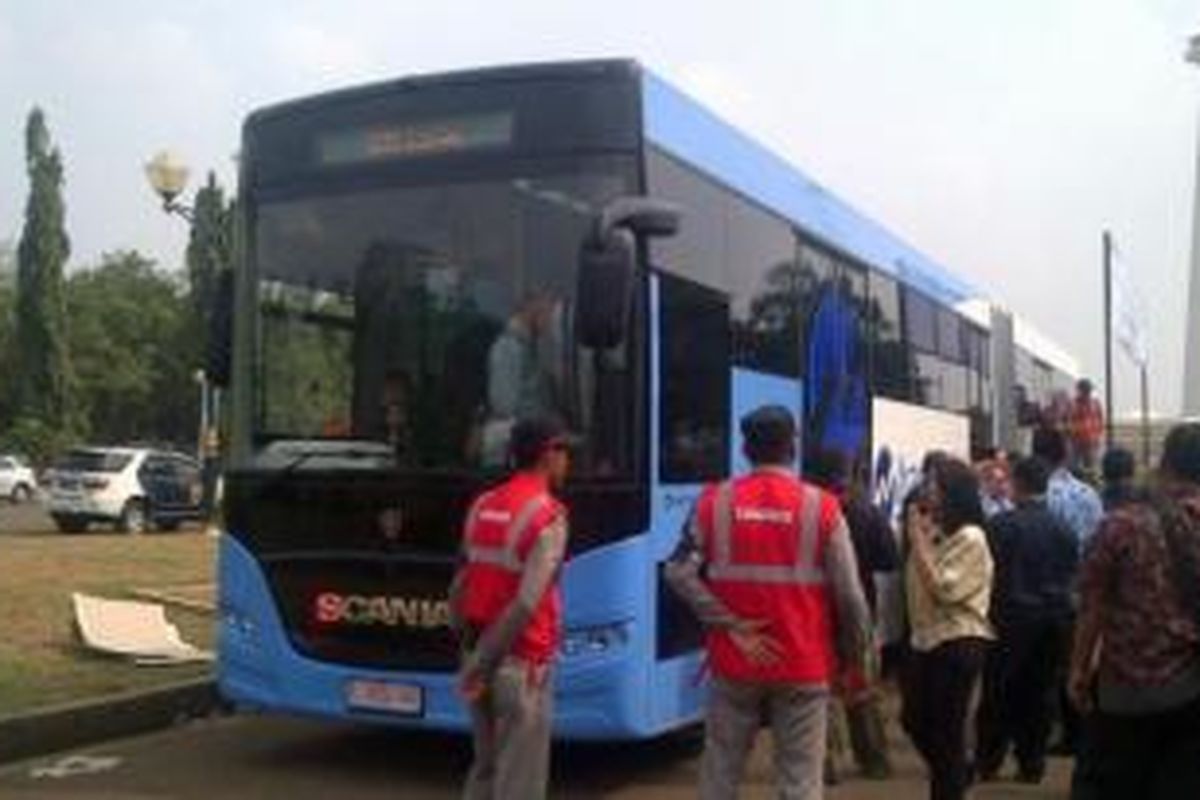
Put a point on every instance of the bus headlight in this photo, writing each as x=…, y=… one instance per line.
x=595, y=640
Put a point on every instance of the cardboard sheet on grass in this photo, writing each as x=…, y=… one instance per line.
x=133, y=629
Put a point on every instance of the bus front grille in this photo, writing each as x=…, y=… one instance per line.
x=378, y=612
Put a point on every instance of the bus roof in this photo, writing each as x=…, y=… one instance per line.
x=686, y=129
x=559, y=70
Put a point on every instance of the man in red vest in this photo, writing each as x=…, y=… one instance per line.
x=506, y=603
x=1085, y=427
x=767, y=564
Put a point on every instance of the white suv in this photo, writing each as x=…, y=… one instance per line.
x=17, y=481
x=135, y=488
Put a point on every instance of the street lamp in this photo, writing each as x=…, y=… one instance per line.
x=168, y=176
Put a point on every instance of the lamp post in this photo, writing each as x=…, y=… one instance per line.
x=201, y=379
x=168, y=176
x=1191, y=355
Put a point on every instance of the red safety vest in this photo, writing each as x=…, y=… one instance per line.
x=1085, y=421
x=764, y=538
x=501, y=529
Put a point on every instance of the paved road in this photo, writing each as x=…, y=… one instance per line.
x=266, y=757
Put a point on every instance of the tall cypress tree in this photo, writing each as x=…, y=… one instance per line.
x=209, y=247
x=8, y=294
x=43, y=363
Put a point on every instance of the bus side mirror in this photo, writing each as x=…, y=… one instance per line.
x=646, y=217
x=608, y=266
x=220, y=331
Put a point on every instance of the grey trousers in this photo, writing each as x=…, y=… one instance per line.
x=797, y=716
x=511, y=724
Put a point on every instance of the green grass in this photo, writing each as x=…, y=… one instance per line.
x=42, y=662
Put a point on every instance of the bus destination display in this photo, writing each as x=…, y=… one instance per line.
x=415, y=139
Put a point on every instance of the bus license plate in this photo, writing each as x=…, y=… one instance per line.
x=384, y=697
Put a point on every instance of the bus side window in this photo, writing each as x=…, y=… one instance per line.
x=694, y=342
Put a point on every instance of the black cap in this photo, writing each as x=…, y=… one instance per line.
x=532, y=436
x=769, y=426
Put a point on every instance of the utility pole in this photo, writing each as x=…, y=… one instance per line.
x=1145, y=416
x=1108, y=370
x=1191, y=346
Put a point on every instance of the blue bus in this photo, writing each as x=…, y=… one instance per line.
x=422, y=261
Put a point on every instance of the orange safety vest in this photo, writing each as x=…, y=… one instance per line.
x=1085, y=421
x=764, y=538
x=501, y=529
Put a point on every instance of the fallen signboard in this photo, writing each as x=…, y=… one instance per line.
x=132, y=629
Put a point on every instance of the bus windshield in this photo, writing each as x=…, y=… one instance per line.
x=430, y=317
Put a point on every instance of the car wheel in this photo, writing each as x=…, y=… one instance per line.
x=168, y=525
x=68, y=524
x=133, y=517
x=21, y=493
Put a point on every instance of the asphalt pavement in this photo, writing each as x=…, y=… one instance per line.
x=248, y=756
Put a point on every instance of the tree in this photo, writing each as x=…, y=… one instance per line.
x=132, y=347
x=8, y=264
x=35, y=440
x=43, y=373
x=8, y=297
x=209, y=251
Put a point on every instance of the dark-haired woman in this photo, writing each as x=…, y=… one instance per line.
x=948, y=583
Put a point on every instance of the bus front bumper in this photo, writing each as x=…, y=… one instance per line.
x=598, y=695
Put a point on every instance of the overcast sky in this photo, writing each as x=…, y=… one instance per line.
x=999, y=137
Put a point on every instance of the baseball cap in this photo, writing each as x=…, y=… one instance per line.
x=769, y=426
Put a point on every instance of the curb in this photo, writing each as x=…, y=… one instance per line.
x=78, y=724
